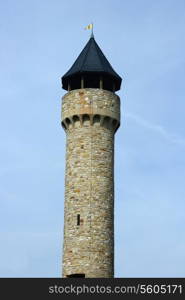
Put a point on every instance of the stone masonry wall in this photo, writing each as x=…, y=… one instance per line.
x=90, y=118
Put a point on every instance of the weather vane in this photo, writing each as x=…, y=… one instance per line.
x=90, y=26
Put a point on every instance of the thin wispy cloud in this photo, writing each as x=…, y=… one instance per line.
x=172, y=138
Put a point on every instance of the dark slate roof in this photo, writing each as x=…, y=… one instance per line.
x=91, y=60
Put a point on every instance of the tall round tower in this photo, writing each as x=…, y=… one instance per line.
x=90, y=117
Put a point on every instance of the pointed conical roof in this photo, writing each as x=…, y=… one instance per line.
x=92, y=61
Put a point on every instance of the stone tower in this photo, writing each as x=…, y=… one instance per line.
x=90, y=118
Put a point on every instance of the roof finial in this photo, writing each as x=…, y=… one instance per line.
x=90, y=26
x=92, y=33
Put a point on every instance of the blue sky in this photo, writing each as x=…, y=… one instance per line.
x=145, y=42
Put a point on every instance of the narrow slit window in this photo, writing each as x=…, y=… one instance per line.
x=78, y=220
